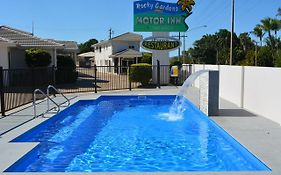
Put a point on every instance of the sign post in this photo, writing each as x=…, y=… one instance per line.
x=163, y=57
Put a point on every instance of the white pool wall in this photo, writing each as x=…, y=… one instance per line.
x=257, y=89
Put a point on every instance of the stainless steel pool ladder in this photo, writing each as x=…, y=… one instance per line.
x=45, y=95
x=57, y=91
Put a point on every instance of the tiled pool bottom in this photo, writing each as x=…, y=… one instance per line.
x=126, y=134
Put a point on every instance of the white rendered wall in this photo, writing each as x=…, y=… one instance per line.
x=263, y=92
x=123, y=45
x=110, y=49
x=231, y=84
x=4, y=62
x=100, y=57
x=257, y=89
x=196, y=68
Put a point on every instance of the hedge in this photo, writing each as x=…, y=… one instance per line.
x=66, y=70
x=141, y=72
x=37, y=58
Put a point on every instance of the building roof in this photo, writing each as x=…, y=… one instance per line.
x=87, y=54
x=25, y=39
x=3, y=40
x=6, y=42
x=128, y=53
x=68, y=45
x=129, y=36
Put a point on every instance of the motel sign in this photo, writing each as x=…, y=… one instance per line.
x=157, y=16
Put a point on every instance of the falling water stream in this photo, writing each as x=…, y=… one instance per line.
x=178, y=107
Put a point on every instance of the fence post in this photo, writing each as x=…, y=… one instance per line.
x=242, y=86
x=95, y=69
x=2, y=92
x=158, y=74
x=33, y=84
x=129, y=73
x=54, y=75
x=189, y=69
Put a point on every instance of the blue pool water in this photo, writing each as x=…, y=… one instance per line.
x=129, y=134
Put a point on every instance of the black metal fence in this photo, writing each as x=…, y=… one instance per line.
x=17, y=85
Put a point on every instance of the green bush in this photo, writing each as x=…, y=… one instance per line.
x=141, y=73
x=65, y=62
x=37, y=57
x=277, y=59
x=146, y=58
x=175, y=62
x=265, y=57
x=66, y=70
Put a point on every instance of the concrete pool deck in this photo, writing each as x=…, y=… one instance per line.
x=259, y=135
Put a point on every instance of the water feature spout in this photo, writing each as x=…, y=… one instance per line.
x=178, y=107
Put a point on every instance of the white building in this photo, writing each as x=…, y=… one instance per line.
x=86, y=59
x=13, y=43
x=118, y=52
x=4, y=47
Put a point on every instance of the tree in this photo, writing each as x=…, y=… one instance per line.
x=258, y=31
x=245, y=41
x=86, y=47
x=249, y=59
x=267, y=25
x=265, y=57
x=277, y=59
x=276, y=25
x=272, y=42
x=278, y=12
x=204, y=50
x=214, y=49
x=223, y=46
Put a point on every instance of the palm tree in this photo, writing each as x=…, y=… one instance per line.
x=258, y=32
x=267, y=25
x=278, y=12
x=275, y=25
x=245, y=41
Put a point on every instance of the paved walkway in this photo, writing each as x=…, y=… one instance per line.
x=24, y=114
x=260, y=135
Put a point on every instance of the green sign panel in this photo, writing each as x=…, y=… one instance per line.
x=157, y=16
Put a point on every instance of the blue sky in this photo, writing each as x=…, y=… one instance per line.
x=80, y=20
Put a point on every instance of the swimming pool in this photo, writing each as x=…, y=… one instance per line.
x=129, y=134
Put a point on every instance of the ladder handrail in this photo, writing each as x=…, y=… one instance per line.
x=56, y=90
x=34, y=101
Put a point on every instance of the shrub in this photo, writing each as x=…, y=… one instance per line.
x=175, y=63
x=141, y=73
x=66, y=72
x=277, y=59
x=37, y=58
x=146, y=58
x=265, y=57
x=65, y=62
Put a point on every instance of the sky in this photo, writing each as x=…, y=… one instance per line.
x=81, y=20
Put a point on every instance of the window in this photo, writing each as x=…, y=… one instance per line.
x=131, y=47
